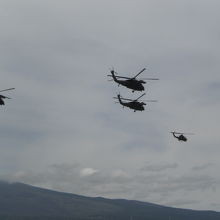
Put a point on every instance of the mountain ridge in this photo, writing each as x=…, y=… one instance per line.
x=22, y=201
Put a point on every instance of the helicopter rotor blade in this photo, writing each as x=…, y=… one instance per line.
x=149, y=79
x=6, y=89
x=123, y=99
x=151, y=100
x=4, y=97
x=127, y=99
x=140, y=97
x=121, y=77
x=189, y=133
x=139, y=73
x=173, y=132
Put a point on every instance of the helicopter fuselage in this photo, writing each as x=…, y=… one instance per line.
x=132, y=84
x=4, y=97
x=181, y=137
x=1, y=99
x=137, y=106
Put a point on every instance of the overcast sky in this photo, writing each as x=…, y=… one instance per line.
x=62, y=130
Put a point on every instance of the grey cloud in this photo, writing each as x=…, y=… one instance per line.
x=182, y=202
x=67, y=177
x=202, y=167
x=190, y=183
x=216, y=205
x=159, y=167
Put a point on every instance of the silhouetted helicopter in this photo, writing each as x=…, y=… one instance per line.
x=181, y=136
x=131, y=83
x=4, y=97
x=133, y=104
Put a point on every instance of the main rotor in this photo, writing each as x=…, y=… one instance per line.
x=132, y=78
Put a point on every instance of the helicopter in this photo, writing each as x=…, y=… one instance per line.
x=130, y=82
x=181, y=136
x=4, y=97
x=133, y=104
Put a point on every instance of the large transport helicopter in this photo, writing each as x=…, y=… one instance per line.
x=131, y=82
x=180, y=136
x=133, y=104
x=4, y=97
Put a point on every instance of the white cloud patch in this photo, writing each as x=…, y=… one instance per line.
x=120, y=173
x=88, y=172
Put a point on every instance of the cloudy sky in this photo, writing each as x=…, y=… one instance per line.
x=62, y=130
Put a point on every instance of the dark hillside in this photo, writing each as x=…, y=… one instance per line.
x=20, y=201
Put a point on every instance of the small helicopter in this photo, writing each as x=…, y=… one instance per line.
x=181, y=136
x=133, y=104
x=130, y=82
x=4, y=97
